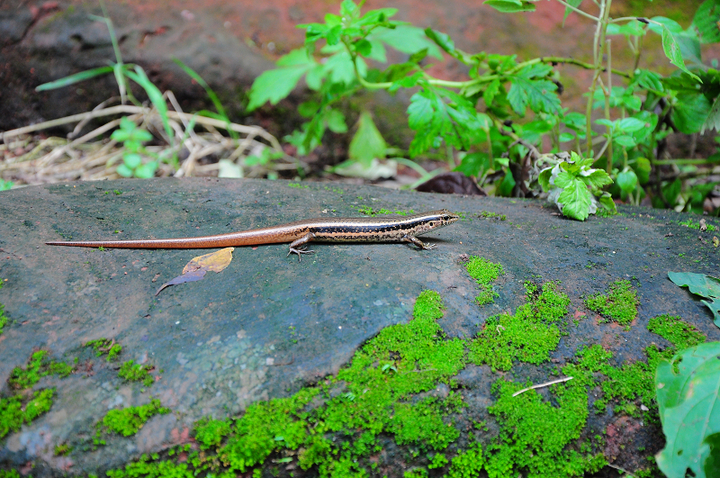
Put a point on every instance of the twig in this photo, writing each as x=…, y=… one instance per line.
x=621, y=469
x=560, y=380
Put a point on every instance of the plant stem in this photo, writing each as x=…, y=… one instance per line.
x=578, y=11
x=608, y=93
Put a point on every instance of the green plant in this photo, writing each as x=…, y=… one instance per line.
x=571, y=185
x=133, y=372
x=702, y=285
x=687, y=395
x=133, y=138
x=6, y=185
x=491, y=125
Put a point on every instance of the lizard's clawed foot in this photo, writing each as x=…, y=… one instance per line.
x=299, y=252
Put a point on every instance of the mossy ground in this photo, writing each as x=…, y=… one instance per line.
x=618, y=305
x=340, y=426
x=25, y=406
x=485, y=273
x=133, y=372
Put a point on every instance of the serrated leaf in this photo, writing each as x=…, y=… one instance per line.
x=597, y=178
x=274, y=85
x=544, y=179
x=713, y=118
x=368, y=143
x=672, y=51
x=627, y=181
x=706, y=21
x=649, y=80
x=688, y=395
x=690, y=112
x=703, y=285
x=527, y=90
x=473, y=164
x=491, y=91
x=443, y=40
x=575, y=199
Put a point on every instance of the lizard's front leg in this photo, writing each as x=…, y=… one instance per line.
x=297, y=245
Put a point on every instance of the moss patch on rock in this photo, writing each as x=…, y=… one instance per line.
x=618, y=305
x=529, y=335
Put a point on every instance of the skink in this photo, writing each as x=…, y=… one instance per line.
x=300, y=233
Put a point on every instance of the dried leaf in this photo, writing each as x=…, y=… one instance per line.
x=195, y=269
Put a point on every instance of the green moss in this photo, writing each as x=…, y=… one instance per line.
x=62, y=449
x=11, y=414
x=104, y=346
x=128, y=421
x=681, y=334
x=485, y=273
x=9, y=474
x=438, y=461
x=468, y=463
x=14, y=411
x=155, y=469
x=492, y=215
x=38, y=366
x=370, y=211
x=133, y=372
x=619, y=305
x=529, y=335
x=210, y=432
x=632, y=386
x=3, y=318
x=696, y=225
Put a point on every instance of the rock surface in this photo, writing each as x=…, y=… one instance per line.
x=268, y=324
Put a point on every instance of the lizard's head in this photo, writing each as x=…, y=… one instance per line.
x=442, y=218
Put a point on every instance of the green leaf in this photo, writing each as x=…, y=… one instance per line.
x=596, y=179
x=544, y=179
x=703, y=285
x=507, y=185
x=124, y=171
x=156, y=97
x=688, y=396
x=368, y=143
x=671, y=25
x=363, y=47
x=491, y=91
x=649, y=80
x=713, y=118
x=77, y=77
x=572, y=3
x=625, y=140
x=336, y=121
x=630, y=124
x=132, y=160
x=607, y=202
x=642, y=168
x=474, y=164
x=274, y=85
x=706, y=21
x=575, y=198
x=529, y=88
x=627, y=180
x=691, y=112
x=510, y=6
x=147, y=170
x=406, y=39
x=672, y=51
